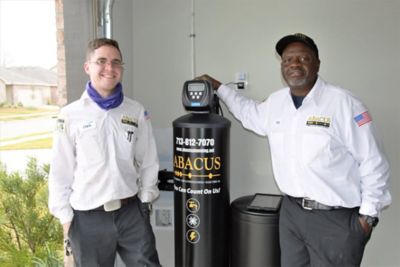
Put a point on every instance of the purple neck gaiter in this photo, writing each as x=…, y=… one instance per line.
x=109, y=102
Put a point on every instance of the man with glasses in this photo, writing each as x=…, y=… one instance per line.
x=327, y=159
x=104, y=169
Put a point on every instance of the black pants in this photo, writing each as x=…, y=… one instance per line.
x=320, y=237
x=96, y=237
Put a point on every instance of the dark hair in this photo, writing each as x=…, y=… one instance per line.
x=99, y=42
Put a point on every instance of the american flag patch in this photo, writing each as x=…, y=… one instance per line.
x=362, y=118
x=146, y=115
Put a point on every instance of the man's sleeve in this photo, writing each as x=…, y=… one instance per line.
x=146, y=160
x=248, y=111
x=61, y=172
x=367, y=149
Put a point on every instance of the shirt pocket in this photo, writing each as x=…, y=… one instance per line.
x=314, y=148
x=126, y=135
x=278, y=146
x=90, y=148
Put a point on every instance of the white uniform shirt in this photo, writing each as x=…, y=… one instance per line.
x=327, y=150
x=99, y=155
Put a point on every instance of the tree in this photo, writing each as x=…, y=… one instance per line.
x=29, y=234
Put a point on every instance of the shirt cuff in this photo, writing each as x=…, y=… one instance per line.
x=66, y=216
x=223, y=90
x=148, y=196
x=368, y=209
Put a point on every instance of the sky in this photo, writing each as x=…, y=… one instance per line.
x=28, y=33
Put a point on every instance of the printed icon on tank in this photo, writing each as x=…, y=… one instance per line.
x=192, y=205
x=192, y=236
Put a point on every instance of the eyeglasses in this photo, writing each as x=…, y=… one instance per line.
x=115, y=63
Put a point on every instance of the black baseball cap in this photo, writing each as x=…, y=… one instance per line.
x=297, y=37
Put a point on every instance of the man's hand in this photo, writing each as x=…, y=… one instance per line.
x=214, y=83
x=68, y=257
x=66, y=227
x=365, y=226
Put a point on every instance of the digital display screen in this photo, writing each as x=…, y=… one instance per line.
x=196, y=87
x=197, y=95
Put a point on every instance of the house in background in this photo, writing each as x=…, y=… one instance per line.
x=28, y=86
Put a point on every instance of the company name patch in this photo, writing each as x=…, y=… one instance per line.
x=128, y=120
x=319, y=121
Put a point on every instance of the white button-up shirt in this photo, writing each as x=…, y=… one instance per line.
x=327, y=150
x=100, y=155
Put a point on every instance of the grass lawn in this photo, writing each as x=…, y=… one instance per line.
x=21, y=113
x=22, y=136
x=44, y=143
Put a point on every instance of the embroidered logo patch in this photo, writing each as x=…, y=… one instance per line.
x=319, y=121
x=128, y=120
x=60, y=126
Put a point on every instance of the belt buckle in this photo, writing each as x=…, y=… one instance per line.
x=305, y=202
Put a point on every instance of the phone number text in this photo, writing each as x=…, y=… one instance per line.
x=202, y=142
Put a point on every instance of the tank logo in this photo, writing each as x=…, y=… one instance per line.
x=193, y=221
x=192, y=236
x=200, y=164
x=192, y=205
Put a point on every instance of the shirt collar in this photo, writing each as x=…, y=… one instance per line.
x=85, y=98
x=315, y=93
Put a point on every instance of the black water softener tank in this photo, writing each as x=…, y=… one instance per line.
x=255, y=231
x=201, y=180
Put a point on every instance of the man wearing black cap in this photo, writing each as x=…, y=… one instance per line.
x=327, y=159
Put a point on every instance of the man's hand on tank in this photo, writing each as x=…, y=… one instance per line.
x=214, y=83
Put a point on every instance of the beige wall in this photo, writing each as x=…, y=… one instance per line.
x=30, y=95
x=3, y=94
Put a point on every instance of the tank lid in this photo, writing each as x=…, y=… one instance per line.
x=202, y=120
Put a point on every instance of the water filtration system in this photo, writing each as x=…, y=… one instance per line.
x=201, y=180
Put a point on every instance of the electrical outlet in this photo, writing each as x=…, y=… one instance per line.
x=241, y=80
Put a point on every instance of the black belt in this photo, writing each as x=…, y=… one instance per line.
x=124, y=202
x=309, y=204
